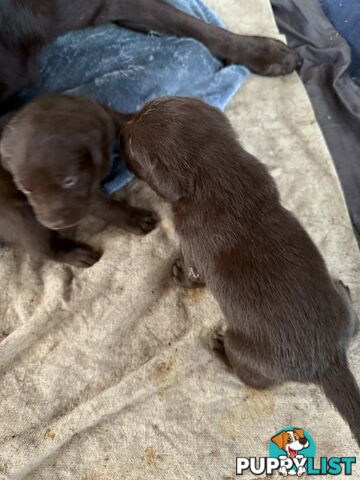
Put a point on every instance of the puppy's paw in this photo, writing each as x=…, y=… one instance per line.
x=141, y=221
x=282, y=471
x=301, y=471
x=82, y=256
x=282, y=60
x=265, y=56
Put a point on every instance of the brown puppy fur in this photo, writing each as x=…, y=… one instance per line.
x=55, y=153
x=288, y=320
x=26, y=26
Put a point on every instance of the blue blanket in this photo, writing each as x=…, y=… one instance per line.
x=125, y=69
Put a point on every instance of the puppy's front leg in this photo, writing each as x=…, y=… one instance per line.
x=72, y=252
x=19, y=226
x=121, y=214
x=186, y=275
x=262, y=55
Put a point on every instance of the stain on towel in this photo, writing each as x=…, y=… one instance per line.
x=49, y=434
x=150, y=456
x=164, y=371
x=194, y=295
x=254, y=406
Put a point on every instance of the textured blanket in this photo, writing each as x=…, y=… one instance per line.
x=329, y=74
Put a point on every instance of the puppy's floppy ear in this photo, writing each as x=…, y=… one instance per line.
x=96, y=153
x=149, y=168
x=280, y=439
x=299, y=432
x=167, y=185
x=160, y=178
x=91, y=145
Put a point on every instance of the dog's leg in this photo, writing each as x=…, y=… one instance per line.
x=121, y=214
x=185, y=275
x=227, y=347
x=74, y=253
x=20, y=228
x=262, y=55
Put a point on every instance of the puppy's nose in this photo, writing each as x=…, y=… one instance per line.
x=303, y=441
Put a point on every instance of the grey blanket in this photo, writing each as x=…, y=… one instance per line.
x=334, y=95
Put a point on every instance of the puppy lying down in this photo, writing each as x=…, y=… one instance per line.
x=54, y=155
x=288, y=320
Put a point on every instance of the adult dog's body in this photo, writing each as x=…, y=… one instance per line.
x=26, y=26
x=55, y=153
x=288, y=320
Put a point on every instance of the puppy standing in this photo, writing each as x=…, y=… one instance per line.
x=55, y=153
x=288, y=320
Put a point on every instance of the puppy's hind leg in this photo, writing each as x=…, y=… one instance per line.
x=227, y=352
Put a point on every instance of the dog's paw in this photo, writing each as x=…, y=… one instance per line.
x=301, y=471
x=282, y=60
x=141, y=221
x=266, y=56
x=82, y=256
x=282, y=471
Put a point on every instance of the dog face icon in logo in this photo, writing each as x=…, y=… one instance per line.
x=292, y=443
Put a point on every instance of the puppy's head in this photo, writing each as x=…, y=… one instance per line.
x=175, y=144
x=55, y=157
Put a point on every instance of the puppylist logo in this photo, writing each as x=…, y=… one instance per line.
x=292, y=451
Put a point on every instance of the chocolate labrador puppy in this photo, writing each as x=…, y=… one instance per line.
x=26, y=26
x=288, y=320
x=55, y=153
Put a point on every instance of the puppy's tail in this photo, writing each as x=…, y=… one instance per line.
x=340, y=387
